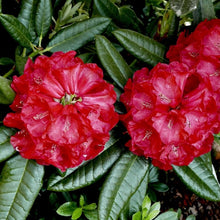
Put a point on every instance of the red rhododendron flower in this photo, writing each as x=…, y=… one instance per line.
x=63, y=109
x=171, y=114
x=201, y=50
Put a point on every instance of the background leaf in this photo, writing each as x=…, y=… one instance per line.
x=77, y=35
x=27, y=15
x=121, y=183
x=20, y=183
x=7, y=94
x=107, y=9
x=16, y=29
x=6, y=149
x=200, y=179
x=182, y=7
x=43, y=17
x=112, y=60
x=142, y=47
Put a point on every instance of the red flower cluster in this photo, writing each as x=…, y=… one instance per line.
x=63, y=109
x=173, y=110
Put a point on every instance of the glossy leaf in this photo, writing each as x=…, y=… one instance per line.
x=20, y=183
x=7, y=94
x=182, y=7
x=199, y=178
x=76, y=213
x=107, y=9
x=112, y=60
x=6, y=149
x=67, y=209
x=77, y=35
x=43, y=17
x=142, y=47
x=16, y=29
x=121, y=183
x=129, y=19
x=135, y=202
x=87, y=174
x=27, y=15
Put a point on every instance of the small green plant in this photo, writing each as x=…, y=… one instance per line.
x=75, y=211
x=150, y=212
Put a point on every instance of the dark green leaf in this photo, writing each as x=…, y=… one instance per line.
x=113, y=62
x=107, y=9
x=121, y=183
x=43, y=17
x=160, y=187
x=169, y=215
x=6, y=61
x=27, y=15
x=200, y=179
x=135, y=202
x=6, y=149
x=87, y=174
x=16, y=29
x=182, y=7
x=6, y=92
x=142, y=47
x=75, y=36
x=76, y=213
x=20, y=183
x=129, y=19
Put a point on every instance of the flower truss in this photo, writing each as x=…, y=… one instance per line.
x=173, y=110
x=63, y=109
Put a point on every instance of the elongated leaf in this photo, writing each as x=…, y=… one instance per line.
x=142, y=47
x=182, y=7
x=135, y=202
x=207, y=9
x=27, y=15
x=198, y=177
x=6, y=149
x=87, y=174
x=113, y=62
x=107, y=9
x=6, y=92
x=6, y=61
x=121, y=183
x=20, y=183
x=16, y=29
x=129, y=19
x=43, y=17
x=78, y=34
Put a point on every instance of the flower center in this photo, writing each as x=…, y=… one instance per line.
x=69, y=99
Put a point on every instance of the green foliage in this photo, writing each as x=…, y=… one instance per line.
x=121, y=183
x=6, y=148
x=121, y=39
x=20, y=182
x=71, y=209
x=142, y=47
x=113, y=62
x=77, y=35
x=16, y=29
x=200, y=177
x=6, y=93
